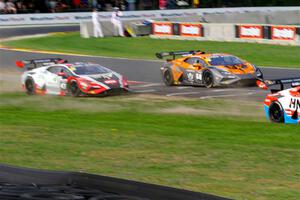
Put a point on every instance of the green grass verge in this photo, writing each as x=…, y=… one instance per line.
x=242, y=157
x=145, y=48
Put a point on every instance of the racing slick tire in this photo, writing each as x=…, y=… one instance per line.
x=208, y=79
x=276, y=112
x=74, y=89
x=168, y=77
x=30, y=86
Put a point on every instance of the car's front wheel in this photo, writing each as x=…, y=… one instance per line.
x=276, y=112
x=208, y=79
x=30, y=86
x=168, y=77
x=74, y=89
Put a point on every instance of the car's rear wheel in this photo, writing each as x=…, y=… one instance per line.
x=276, y=112
x=74, y=89
x=168, y=77
x=30, y=86
x=208, y=79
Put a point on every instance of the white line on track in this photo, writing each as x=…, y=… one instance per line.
x=181, y=93
x=227, y=95
x=224, y=90
x=144, y=91
x=184, y=87
x=148, y=85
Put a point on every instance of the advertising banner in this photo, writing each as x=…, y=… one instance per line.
x=190, y=30
x=162, y=28
x=250, y=31
x=283, y=32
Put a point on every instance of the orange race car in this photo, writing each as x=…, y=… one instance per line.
x=207, y=69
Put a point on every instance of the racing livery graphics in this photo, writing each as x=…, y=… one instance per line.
x=209, y=70
x=58, y=77
x=282, y=106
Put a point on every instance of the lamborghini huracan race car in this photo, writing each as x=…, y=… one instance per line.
x=209, y=70
x=58, y=77
x=283, y=105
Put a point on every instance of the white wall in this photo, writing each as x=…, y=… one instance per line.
x=64, y=18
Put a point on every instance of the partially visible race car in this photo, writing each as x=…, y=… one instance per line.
x=58, y=77
x=198, y=68
x=282, y=105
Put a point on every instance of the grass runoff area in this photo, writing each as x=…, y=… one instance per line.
x=210, y=146
x=145, y=48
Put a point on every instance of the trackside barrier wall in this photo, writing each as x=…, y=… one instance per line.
x=255, y=17
x=260, y=15
x=274, y=34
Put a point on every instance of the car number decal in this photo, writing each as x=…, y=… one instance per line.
x=198, y=76
x=190, y=76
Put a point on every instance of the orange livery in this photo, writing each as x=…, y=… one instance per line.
x=207, y=69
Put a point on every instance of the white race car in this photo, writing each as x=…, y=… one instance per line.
x=282, y=106
x=58, y=77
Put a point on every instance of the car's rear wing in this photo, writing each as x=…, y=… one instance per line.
x=266, y=84
x=35, y=63
x=161, y=55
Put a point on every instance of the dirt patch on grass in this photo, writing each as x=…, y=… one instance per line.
x=237, y=110
x=10, y=81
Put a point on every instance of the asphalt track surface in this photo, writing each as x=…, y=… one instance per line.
x=145, y=77
x=7, y=31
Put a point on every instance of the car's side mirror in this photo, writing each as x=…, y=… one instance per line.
x=62, y=74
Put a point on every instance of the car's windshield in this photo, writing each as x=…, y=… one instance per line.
x=224, y=60
x=89, y=69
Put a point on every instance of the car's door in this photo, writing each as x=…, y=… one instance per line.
x=199, y=65
x=53, y=80
x=194, y=72
x=63, y=79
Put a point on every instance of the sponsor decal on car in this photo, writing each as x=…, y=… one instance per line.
x=283, y=32
x=191, y=30
x=294, y=103
x=162, y=28
x=250, y=31
x=111, y=81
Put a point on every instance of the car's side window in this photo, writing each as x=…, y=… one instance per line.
x=53, y=69
x=191, y=61
x=57, y=69
x=66, y=71
x=201, y=62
